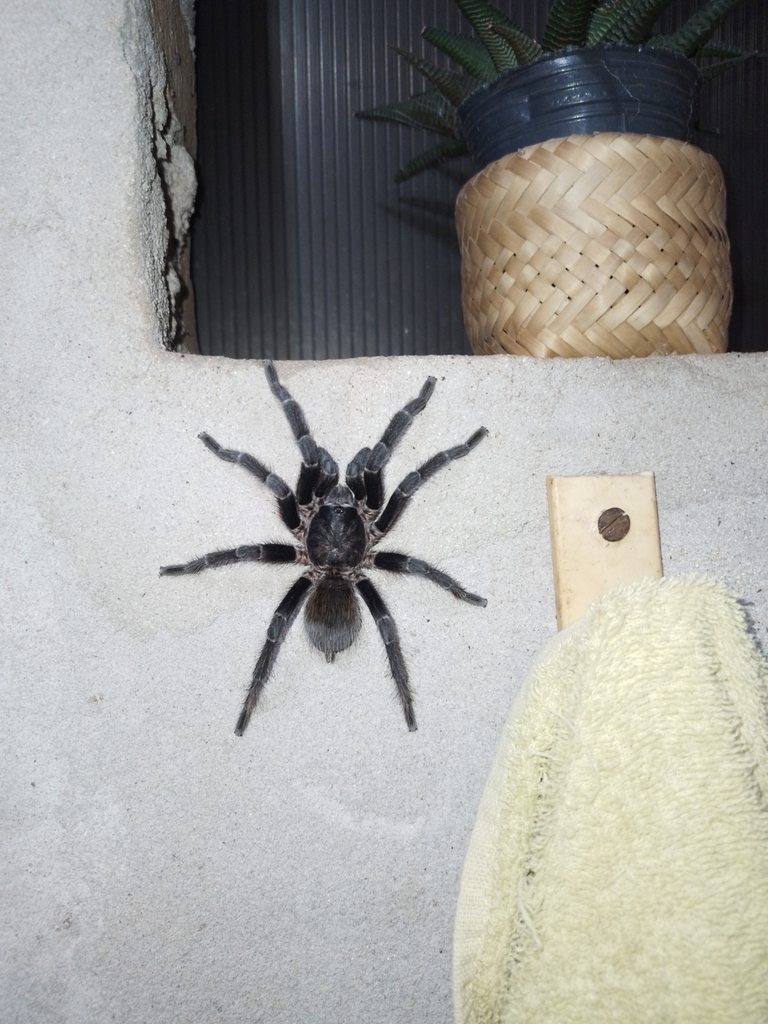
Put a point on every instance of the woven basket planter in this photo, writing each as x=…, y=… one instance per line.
x=609, y=244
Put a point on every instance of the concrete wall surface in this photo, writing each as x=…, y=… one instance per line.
x=155, y=867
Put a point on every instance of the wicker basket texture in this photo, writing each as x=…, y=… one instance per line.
x=596, y=245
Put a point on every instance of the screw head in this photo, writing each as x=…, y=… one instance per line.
x=613, y=524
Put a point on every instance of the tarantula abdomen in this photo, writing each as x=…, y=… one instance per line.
x=332, y=616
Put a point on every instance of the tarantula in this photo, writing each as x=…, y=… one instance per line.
x=336, y=528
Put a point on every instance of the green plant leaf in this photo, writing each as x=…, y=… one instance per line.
x=453, y=86
x=697, y=31
x=526, y=49
x=467, y=52
x=663, y=42
x=723, y=51
x=481, y=16
x=428, y=110
x=713, y=70
x=606, y=18
x=431, y=158
x=635, y=24
x=567, y=24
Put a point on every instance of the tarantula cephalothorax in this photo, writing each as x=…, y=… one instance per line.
x=336, y=529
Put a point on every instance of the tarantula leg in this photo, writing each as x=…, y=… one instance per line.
x=408, y=487
x=305, y=486
x=281, y=622
x=328, y=476
x=391, y=561
x=244, y=553
x=388, y=632
x=319, y=472
x=286, y=499
x=382, y=450
x=355, y=474
x=294, y=414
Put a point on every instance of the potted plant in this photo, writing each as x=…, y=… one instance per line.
x=593, y=226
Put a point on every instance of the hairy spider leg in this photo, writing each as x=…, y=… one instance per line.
x=388, y=632
x=393, y=561
x=319, y=472
x=328, y=476
x=311, y=465
x=369, y=463
x=382, y=450
x=408, y=487
x=355, y=474
x=286, y=499
x=281, y=622
x=244, y=553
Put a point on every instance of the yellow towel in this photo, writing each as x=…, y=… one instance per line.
x=618, y=868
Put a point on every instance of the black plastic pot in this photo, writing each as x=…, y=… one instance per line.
x=578, y=92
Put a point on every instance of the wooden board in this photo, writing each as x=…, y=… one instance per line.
x=586, y=565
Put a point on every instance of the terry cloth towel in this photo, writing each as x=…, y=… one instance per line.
x=618, y=868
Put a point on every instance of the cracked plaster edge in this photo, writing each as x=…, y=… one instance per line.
x=187, y=8
x=166, y=179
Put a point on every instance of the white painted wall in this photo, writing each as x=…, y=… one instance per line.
x=156, y=867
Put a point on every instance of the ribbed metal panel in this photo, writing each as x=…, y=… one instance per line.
x=238, y=246
x=735, y=106
x=304, y=248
